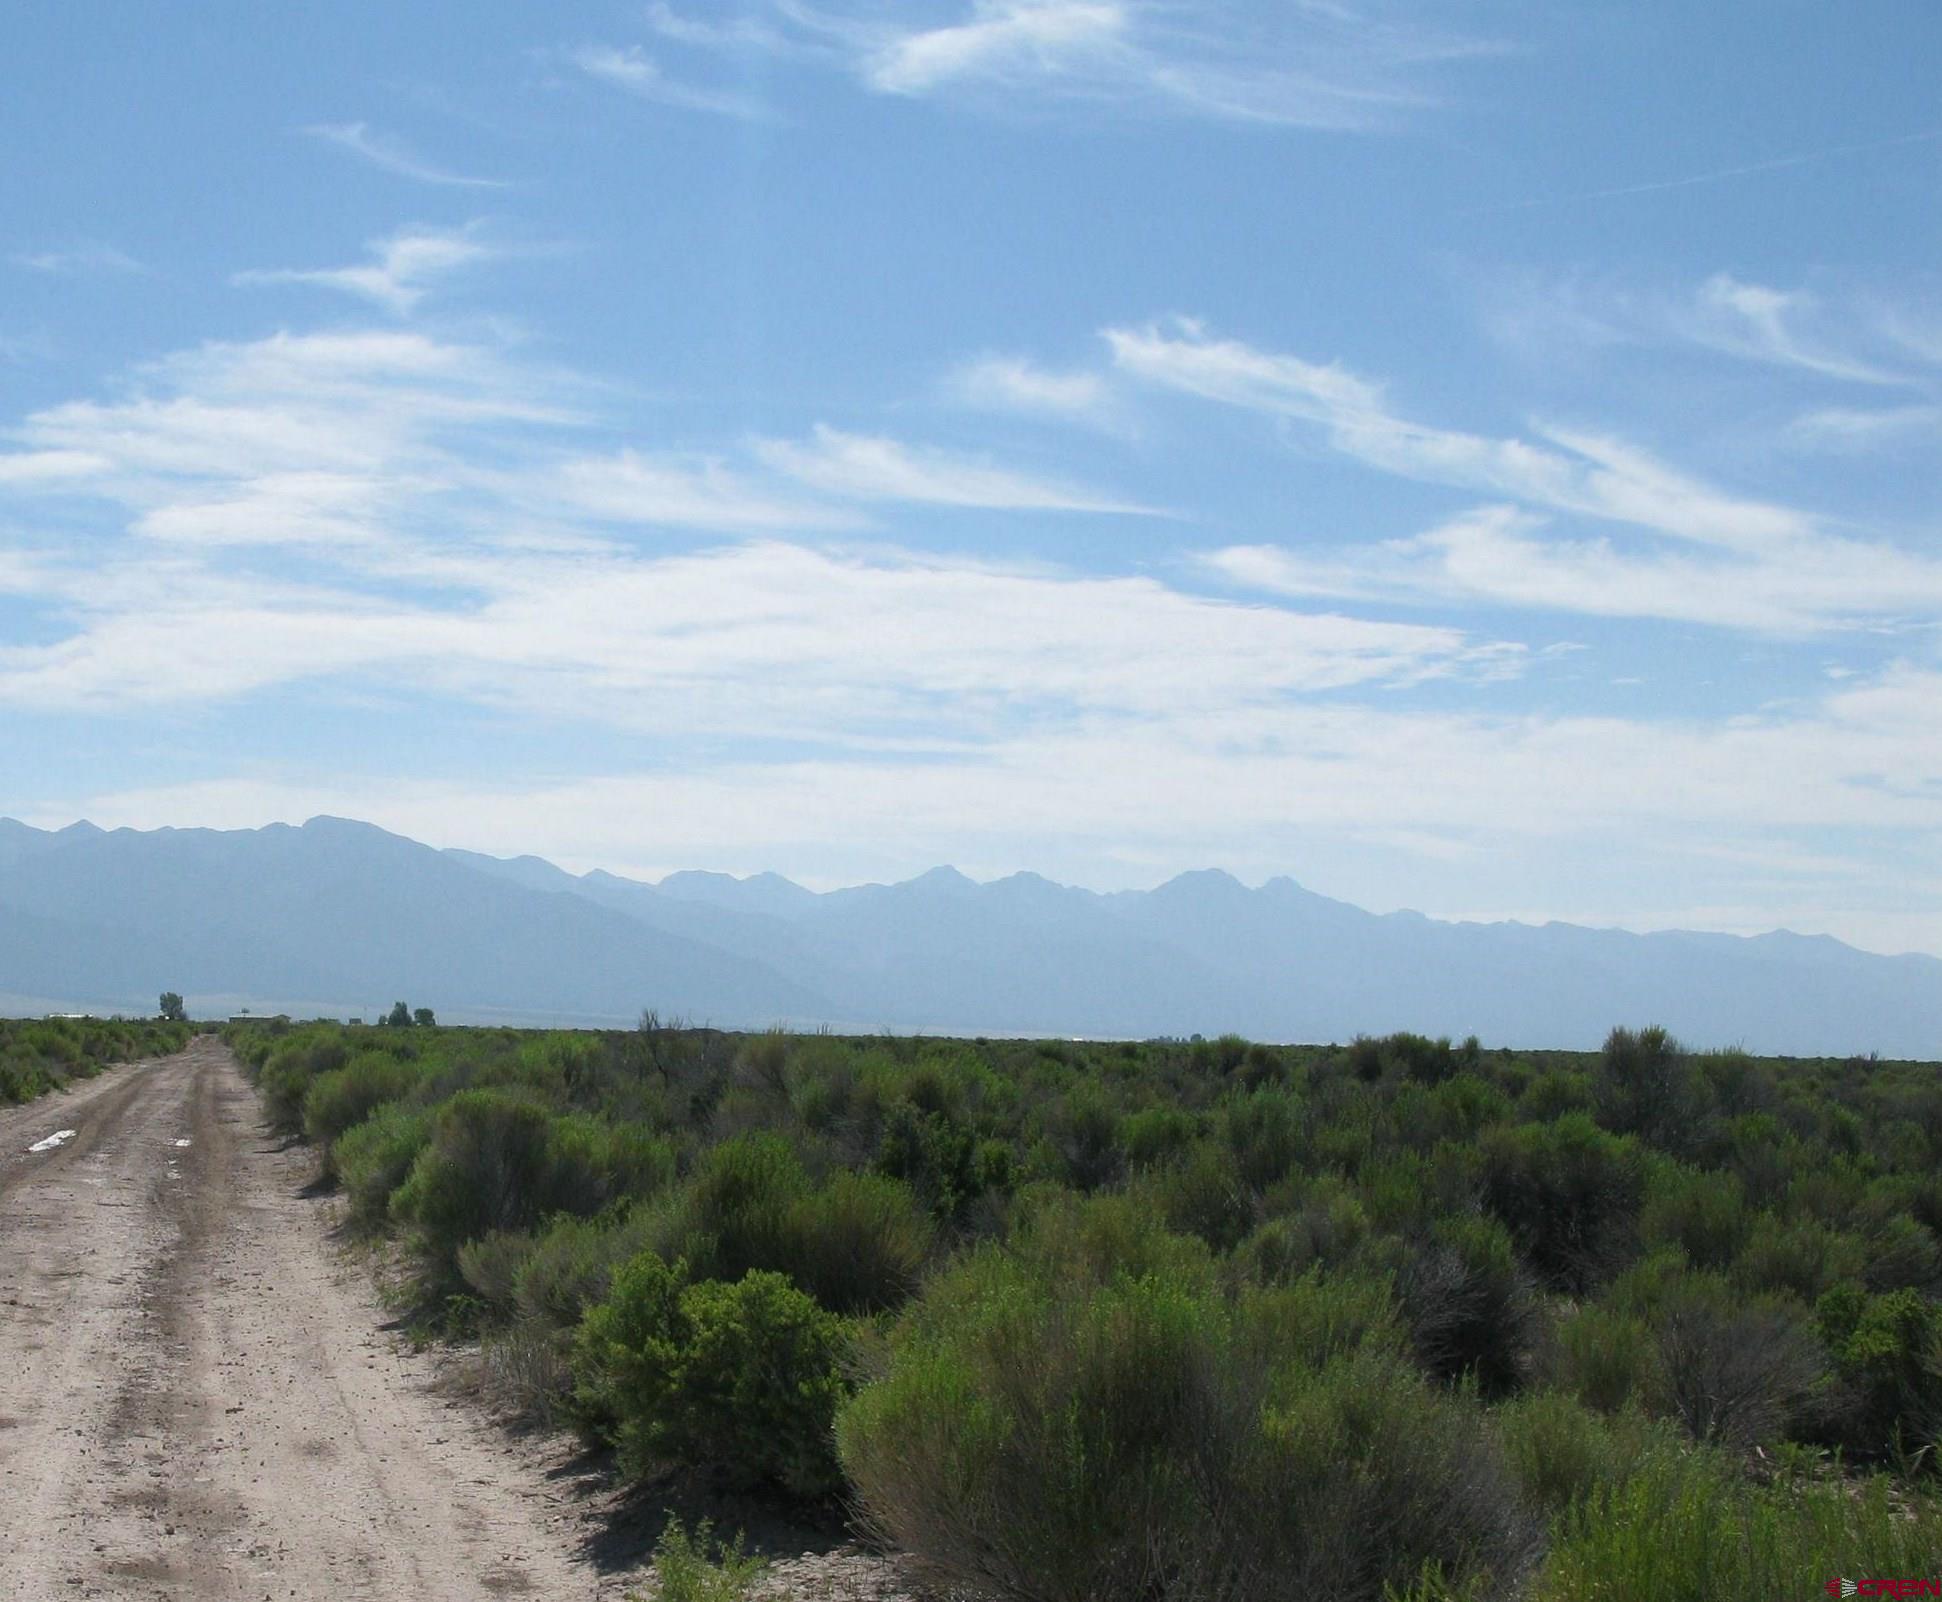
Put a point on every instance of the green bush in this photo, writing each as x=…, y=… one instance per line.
x=594, y=1163
x=1470, y=1307
x=1084, y=1133
x=1037, y=1436
x=571, y=1264
x=1204, y=1195
x=486, y=1166
x=1799, y=1257
x=1560, y=1451
x=1646, y=1085
x=742, y=1379
x=1264, y=1133
x=343, y=1097
x=1887, y=1352
x=1569, y=1194
x=1326, y=1227
x=1703, y=1213
x=1157, y=1135
x=289, y=1070
x=739, y=1207
x=374, y=1158
x=1605, y=1357
x=859, y=1244
x=698, y=1568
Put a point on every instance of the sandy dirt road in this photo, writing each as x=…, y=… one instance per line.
x=196, y=1397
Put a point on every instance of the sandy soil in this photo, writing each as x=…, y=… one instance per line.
x=199, y=1399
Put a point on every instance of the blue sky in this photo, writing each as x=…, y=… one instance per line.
x=1478, y=458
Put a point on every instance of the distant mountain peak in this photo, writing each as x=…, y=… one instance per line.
x=944, y=878
x=1216, y=881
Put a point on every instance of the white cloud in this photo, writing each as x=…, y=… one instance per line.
x=1756, y=321
x=1833, y=332
x=455, y=530
x=393, y=156
x=403, y=270
x=631, y=488
x=1017, y=384
x=640, y=74
x=1758, y=566
x=1002, y=39
x=1845, y=428
x=391, y=518
x=1310, y=65
x=79, y=259
x=1501, y=557
x=1588, y=474
x=873, y=468
x=742, y=32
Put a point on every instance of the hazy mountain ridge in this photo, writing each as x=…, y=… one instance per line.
x=338, y=909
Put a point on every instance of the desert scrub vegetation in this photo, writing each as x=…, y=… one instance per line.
x=40, y=1055
x=1190, y=1321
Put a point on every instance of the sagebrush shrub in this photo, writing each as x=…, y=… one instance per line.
x=1047, y=1436
x=374, y=1158
x=1703, y=1213
x=736, y=1212
x=343, y=1097
x=1204, y=1194
x=1560, y=1451
x=1887, y=1352
x=1569, y=1194
x=1734, y=1372
x=485, y=1167
x=860, y=1243
x=1471, y=1309
x=1800, y=1257
x=286, y=1075
x=742, y=1379
x=1604, y=1356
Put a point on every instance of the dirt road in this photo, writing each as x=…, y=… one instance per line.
x=196, y=1399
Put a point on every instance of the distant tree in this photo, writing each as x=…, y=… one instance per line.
x=422, y=1017
x=399, y=1017
x=172, y=1009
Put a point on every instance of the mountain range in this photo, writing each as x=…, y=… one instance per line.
x=340, y=918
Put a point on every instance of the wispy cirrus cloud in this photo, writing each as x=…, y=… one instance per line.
x=394, y=156
x=1698, y=553
x=1323, y=66
x=874, y=468
x=402, y=271
x=1572, y=471
x=1762, y=323
x=1501, y=557
x=1018, y=384
x=631, y=68
x=1838, y=333
x=77, y=259
x=1858, y=429
x=631, y=487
